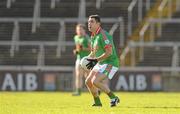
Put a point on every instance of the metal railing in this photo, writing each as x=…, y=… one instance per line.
x=173, y=45
x=163, y=4
x=131, y=7
x=121, y=25
x=141, y=44
x=62, y=22
x=15, y=38
x=61, y=44
x=70, y=20
x=151, y=24
x=36, y=15
x=41, y=45
x=61, y=38
x=160, y=9
x=53, y=3
x=9, y=2
x=82, y=11
x=36, y=20
x=99, y=3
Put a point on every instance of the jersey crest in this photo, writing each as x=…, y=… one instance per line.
x=107, y=41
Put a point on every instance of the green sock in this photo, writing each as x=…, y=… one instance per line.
x=78, y=90
x=111, y=95
x=97, y=100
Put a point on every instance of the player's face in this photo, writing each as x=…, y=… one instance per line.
x=92, y=25
x=80, y=31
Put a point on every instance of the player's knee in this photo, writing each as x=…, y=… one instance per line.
x=87, y=81
x=94, y=82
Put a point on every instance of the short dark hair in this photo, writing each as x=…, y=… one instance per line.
x=96, y=17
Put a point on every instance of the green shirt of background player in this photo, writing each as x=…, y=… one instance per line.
x=103, y=63
x=82, y=46
x=82, y=49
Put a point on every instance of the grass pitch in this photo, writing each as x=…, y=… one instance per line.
x=65, y=103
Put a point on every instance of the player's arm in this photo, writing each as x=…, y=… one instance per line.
x=87, y=49
x=86, y=41
x=91, y=55
x=78, y=48
x=93, y=61
x=108, y=51
x=106, y=54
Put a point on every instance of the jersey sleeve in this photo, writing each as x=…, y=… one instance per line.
x=76, y=40
x=86, y=42
x=105, y=41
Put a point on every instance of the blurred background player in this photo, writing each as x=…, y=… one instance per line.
x=104, y=62
x=82, y=49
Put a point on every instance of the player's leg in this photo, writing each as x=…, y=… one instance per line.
x=85, y=73
x=106, y=82
x=92, y=89
x=103, y=74
x=78, y=79
x=97, y=81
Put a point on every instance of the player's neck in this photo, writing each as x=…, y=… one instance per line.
x=79, y=35
x=96, y=31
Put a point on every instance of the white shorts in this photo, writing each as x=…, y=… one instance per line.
x=77, y=64
x=106, y=69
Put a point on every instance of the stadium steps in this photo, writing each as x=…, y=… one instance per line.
x=170, y=31
x=6, y=30
x=18, y=8
x=135, y=36
x=67, y=58
x=111, y=9
x=179, y=55
x=169, y=34
x=25, y=56
x=46, y=32
x=49, y=32
x=70, y=30
x=153, y=13
x=62, y=9
x=157, y=56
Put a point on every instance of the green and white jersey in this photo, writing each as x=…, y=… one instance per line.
x=83, y=41
x=99, y=42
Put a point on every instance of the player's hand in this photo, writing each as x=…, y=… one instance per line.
x=92, y=63
x=75, y=52
x=79, y=47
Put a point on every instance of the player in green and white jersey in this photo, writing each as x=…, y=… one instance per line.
x=82, y=49
x=104, y=62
